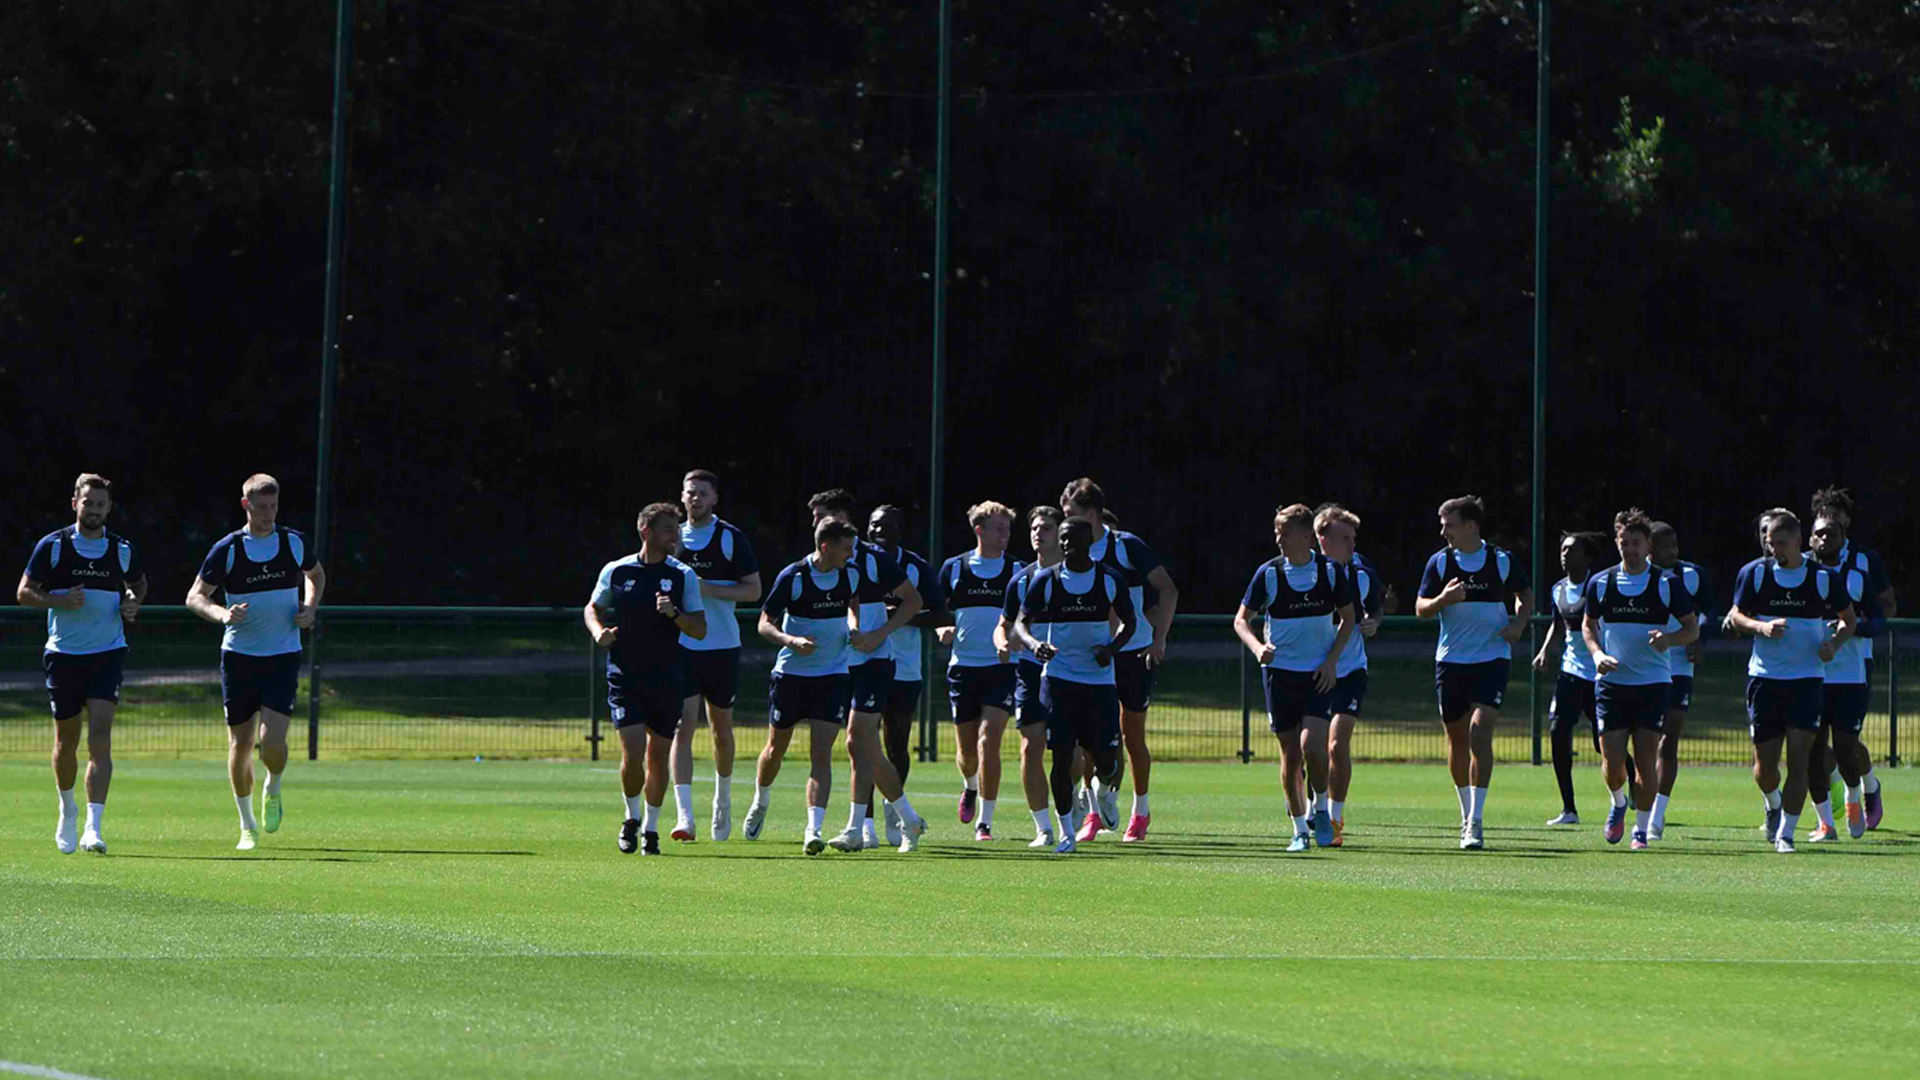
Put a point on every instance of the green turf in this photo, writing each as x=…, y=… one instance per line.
x=442, y=918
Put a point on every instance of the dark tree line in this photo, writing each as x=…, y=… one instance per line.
x=1219, y=256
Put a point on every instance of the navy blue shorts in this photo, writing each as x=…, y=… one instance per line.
x=1291, y=698
x=903, y=696
x=1844, y=706
x=1133, y=680
x=868, y=686
x=645, y=699
x=971, y=689
x=794, y=698
x=1027, y=705
x=1630, y=708
x=1680, y=697
x=713, y=674
x=251, y=683
x=1462, y=686
x=1348, y=693
x=1775, y=705
x=1572, y=699
x=1080, y=714
x=74, y=678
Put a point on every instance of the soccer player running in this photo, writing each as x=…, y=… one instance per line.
x=1666, y=555
x=1155, y=599
x=643, y=606
x=90, y=584
x=1836, y=507
x=1843, y=709
x=1072, y=603
x=885, y=528
x=980, y=673
x=273, y=583
x=1306, y=600
x=1573, y=687
x=1784, y=600
x=1628, y=607
x=1337, y=529
x=729, y=574
x=1482, y=598
x=1030, y=716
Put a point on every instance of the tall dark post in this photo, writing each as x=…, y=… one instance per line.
x=937, y=499
x=1541, y=192
x=330, y=340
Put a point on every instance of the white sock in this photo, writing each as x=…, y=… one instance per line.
x=1788, y=823
x=986, y=811
x=1640, y=820
x=1479, y=802
x=1140, y=806
x=1773, y=798
x=1466, y=801
x=816, y=818
x=68, y=808
x=1853, y=795
x=1338, y=808
x=683, y=802
x=1825, y=810
x=95, y=811
x=1300, y=826
x=763, y=795
x=904, y=808
x=1870, y=783
x=650, y=819
x=1619, y=797
x=723, y=790
x=972, y=783
x=1042, y=822
x=1320, y=802
x=856, y=816
x=1659, y=811
x=245, y=803
x=632, y=803
x=273, y=782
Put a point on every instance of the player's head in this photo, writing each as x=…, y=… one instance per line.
x=1829, y=536
x=1835, y=503
x=260, y=498
x=1043, y=530
x=832, y=543
x=1633, y=535
x=1460, y=519
x=92, y=500
x=1666, y=544
x=1108, y=518
x=699, y=493
x=834, y=503
x=1338, y=530
x=1083, y=499
x=1076, y=536
x=992, y=526
x=659, y=525
x=1578, y=553
x=1293, y=527
x=887, y=524
x=1780, y=533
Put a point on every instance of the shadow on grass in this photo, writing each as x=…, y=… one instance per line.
x=238, y=858
x=407, y=851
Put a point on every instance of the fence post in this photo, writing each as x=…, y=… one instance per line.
x=1533, y=684
x=593, y=700
x=313, y=689
x=1893, y=698
x=1246, y=714
x=925, y=751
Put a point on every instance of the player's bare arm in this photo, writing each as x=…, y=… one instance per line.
x=34, y=594
x=744, y=591
x=200, y=601
x=1243, y=626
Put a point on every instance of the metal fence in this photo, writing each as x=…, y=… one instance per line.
x=526, y=682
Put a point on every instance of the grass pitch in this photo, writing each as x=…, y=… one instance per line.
x=459, y=918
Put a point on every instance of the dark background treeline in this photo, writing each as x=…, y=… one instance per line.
x=1219, y=256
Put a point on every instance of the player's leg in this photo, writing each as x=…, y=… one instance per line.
x=240, y=740
x=1034, y=781
x=1820, y=785
x=102, y=693
x=1061, y=781
x=1134, y=684
x=1646, y=746
x=1673, y=726
x=681, y=759
x=272, y=744
x=66, y=768
x=660, y=734
x=1766, y=777
x=633, y=784
x=863, y=746
x=821, y=737
x=1614, y=732
x=1340, y=770
x=1291, y=766
x=993, y=731
x=966, y=756
x=1851, y=752
x=766, y=770
x=1454, y=688
x=1793, y=787
x=1314, y=739
x=1562, y=714
x=1099, y=731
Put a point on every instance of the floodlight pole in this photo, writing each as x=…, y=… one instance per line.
x=937, y=498
x=1541, y=192
x=330, y=340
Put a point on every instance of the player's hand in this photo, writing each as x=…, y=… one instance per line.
x=130, y=608
x=1693, y=651
x=1604, y=664
x=1103, y=654
x=664, y=605
x=1826, y=652
x=1324, y=677
x=304, y=617
x=1455, y=591
x=1156, y=655
x=1658, y=641
x=1389, y=601
x=1045, y=652
x=72, y=600
x=236, y=614
x=1540, y=662
x=944, y=635
x=1774, y=629
x=1004, y=652
x=1265, y=654
x=1369, y=626
x=802, y=646
x=607, y=636
x=863, y=641
x=1513, y=631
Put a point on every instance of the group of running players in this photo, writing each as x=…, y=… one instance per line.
x=1064, y=649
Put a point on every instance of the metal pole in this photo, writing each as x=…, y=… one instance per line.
x=1533, y=685
x=937, y=498
x=1541, y=191
x=593, y=700
x=1893, y=698
x=1246, y=714
x=330, y=338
